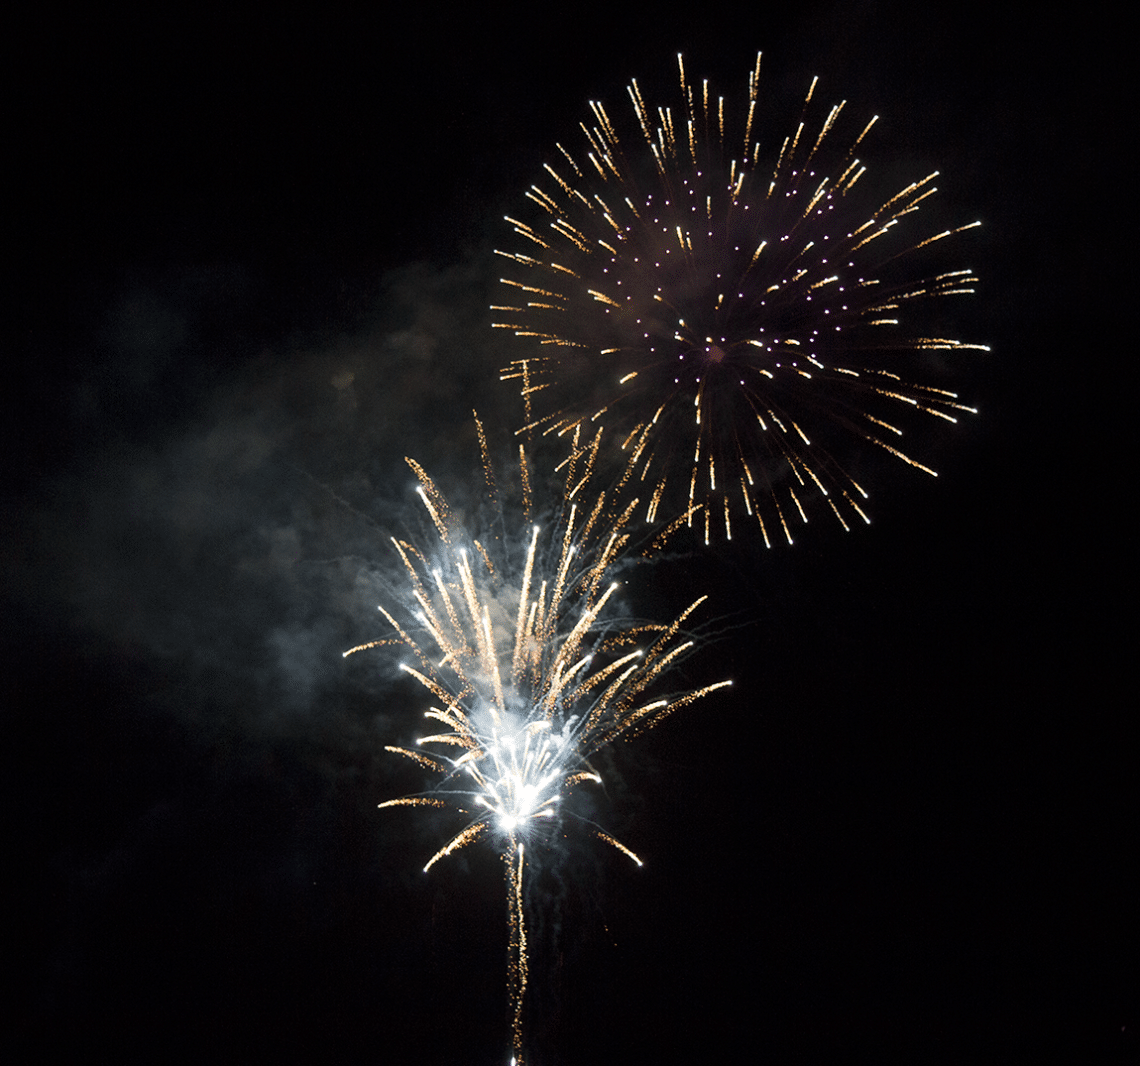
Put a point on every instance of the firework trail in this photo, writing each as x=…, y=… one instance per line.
x=731, y=313
x=530, y=676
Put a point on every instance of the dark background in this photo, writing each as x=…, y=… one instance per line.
x=249, y=272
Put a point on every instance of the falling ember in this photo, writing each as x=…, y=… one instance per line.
x=693, y=261
x=530, y=675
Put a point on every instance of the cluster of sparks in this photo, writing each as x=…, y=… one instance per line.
x=732, y=321
x=529, y=678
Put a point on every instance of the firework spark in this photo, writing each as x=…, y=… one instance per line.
x=530, y=676
x=731, y=314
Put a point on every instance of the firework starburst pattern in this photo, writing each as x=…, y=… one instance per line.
x=531, y=675
x=730, y=307
x=718, y=331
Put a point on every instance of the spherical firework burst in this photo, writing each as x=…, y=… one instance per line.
x=529, y=677
x=731, y=311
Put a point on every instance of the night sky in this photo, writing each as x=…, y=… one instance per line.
x=250, y=266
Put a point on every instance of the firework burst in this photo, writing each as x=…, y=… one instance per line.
x=530, y=674
x=730, y=311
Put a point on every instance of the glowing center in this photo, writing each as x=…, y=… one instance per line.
x=516, y=778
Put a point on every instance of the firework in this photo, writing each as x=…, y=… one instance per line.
x=731, y=311
x=530, y=674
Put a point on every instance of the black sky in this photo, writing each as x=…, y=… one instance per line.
x=252, y=267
